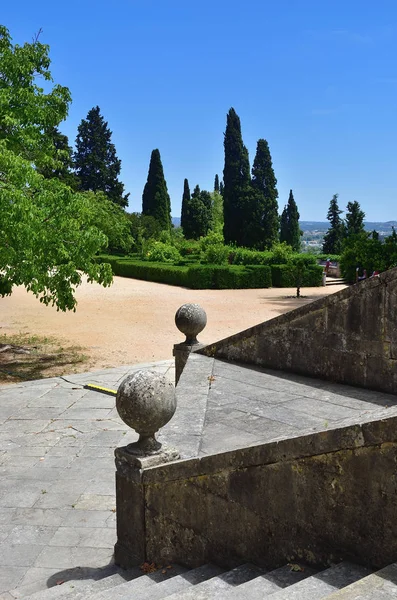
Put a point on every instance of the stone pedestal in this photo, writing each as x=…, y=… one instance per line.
x=190, y=320
x=130, y=549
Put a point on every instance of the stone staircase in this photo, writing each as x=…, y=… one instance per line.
x=344, y=581
x=336, y=281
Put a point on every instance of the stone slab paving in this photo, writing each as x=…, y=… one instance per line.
x=57, y=441
x=57, y=499
x=225, y=406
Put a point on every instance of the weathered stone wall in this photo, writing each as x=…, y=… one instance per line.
x=318, y=498
x=348, y=337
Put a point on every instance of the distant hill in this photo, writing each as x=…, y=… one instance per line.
x=382, y=227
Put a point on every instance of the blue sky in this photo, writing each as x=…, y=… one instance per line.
x=316, y=78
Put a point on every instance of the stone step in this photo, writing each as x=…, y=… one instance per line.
x=272, y=582
x=323, y=583
x=218, y=587
x=112, y=576
x=381, y=585
x=139, y=590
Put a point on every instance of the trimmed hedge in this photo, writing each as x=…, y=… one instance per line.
x=283, y=276
x=194, y=277
x=217, y=277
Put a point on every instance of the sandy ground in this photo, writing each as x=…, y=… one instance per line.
x=133, y=321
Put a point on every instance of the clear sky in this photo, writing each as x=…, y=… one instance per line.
x=316, y=78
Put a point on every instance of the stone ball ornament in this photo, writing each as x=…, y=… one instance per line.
x=191, y=320
x=146, y=402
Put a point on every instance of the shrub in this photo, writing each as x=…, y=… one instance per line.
x=285, y=276
x=212, y=239
x=161, y=252
x=216, y=254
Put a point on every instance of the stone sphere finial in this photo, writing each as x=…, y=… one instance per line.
x=146, y=402
x=190, y=320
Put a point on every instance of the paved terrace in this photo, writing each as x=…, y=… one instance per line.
x=57, y=519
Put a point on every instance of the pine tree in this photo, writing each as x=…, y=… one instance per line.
x=198, y=219
x=62, y=164
x=334, y=236
x=354, y=222
x=155, y=199
x=96, y=163
x=216, y=183
x=289, y=230
x=185, y=205
x=265, y=213
x=236, y=179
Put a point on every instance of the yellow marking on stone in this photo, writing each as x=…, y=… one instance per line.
x=100, y=389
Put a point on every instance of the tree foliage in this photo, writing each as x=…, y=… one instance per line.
x=354, y=221
x=334, y=237
x=366, y=251
x=198, y=215
x=62, y=165
x=289, y=224
x=185, y=205
x=96, y=163
x=216, y=183
x=155, y=199
x=236, y=179
x=47, y=238
x=265, y=213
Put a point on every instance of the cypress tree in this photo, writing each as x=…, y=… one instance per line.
x=290, y=231
x=198, y=219
x=96, y=164
x=334, y=236
x=265, y=211
x=236, y=179
x=185, y=206
x=155, y=199
x=221, y=188
x=216, y=183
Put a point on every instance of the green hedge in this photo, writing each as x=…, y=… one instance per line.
x=194, y=277
x=283, y=276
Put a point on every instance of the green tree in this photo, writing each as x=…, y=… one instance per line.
x=61, y=164
x=354, y=222
x=216, y=183
x=236, y=179
x=112, y=220
x=264, y=183
x=289, y=224
x=155, y=199
x=221, y=188
x=198, y=219
x=47, y=238
x=334, y=237
x=96, y=163
x=217, y=212
x=185, y=205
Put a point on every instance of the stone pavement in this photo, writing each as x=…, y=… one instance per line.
x=57, y=441
x=57, y=498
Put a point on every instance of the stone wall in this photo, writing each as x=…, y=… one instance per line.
x=348, y=337
x=318, y=498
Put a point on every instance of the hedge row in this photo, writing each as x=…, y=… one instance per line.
x=213, y=276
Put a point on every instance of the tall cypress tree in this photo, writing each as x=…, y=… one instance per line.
x=155, y=199
x=334, y=236
x=96, y=163
x=221, y=188
x=290, y=231
x=236, y=179
x=216, y=183
x=198, y=219
x=265, y=214
x=185, y=205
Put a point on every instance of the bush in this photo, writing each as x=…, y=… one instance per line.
x=161, y=252
x=189, y=248
x=284, y=276
x=228, y=277
x=212, y=239
x=216, y=254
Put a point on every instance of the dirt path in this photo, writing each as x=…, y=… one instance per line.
x=133, y=321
